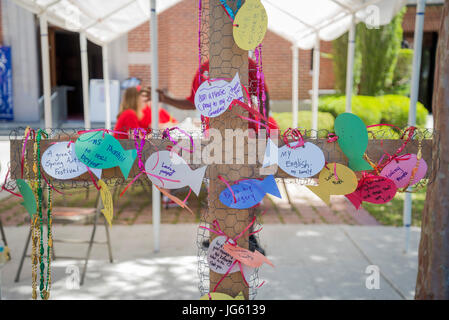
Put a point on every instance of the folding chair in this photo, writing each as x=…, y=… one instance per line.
x=66, y=217
x=3, y=236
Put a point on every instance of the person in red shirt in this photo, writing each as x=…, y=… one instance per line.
x=136, y=113
x=188, y=103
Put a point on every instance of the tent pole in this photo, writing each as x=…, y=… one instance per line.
x=45, y=54
x=315, y=86
x=350, y=65
x=155, y=116
x=417, y=51
x=107, y=87
x=85, y=79
x=295, y=89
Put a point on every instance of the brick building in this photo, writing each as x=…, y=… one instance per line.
x=130, y=56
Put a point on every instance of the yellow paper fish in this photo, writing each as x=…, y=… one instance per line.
x=329, y=185
x=106, y=198
x=221, y=296
x=250, y=25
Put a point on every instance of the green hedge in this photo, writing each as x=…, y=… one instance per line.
x=395, y=110
x=284, y=120
x=369, y=109
x=391, y=109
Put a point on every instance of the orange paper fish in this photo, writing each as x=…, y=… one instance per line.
x=252, y=259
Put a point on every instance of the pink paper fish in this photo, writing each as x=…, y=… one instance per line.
x=373, y=189
x=400, y=170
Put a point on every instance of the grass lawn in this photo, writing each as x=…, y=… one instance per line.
x=390, y=214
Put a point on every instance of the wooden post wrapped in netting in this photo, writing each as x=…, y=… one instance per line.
x=226, y=59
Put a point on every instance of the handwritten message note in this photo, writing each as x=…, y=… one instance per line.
x=373, y=189
x=214, y=98
x=60, y=162
x=302, y=162
x=170, y=171
x=106, y=198
x=250, y=25
x=252, y=259
x=219, y=260
x=249, y=192
x=330, y=184
x=400, y=170
x=97, y=149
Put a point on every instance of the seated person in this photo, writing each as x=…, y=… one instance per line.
x=135, y=112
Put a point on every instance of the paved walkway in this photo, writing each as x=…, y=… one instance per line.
x=311, y=262
x=299, y=206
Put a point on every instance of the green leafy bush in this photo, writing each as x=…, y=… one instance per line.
x=395, y=111
x=367, y=108
x=402, y=73
x=390, y=109
x=284, y=120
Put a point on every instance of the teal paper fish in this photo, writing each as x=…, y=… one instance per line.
x=353, y=140
x=102, y=151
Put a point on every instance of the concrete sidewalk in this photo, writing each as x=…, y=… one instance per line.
x=312, y=262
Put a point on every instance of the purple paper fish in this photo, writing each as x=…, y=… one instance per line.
x=249, y=192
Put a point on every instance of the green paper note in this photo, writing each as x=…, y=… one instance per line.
x=353, y=140
x=28, y=196
x=100, y=150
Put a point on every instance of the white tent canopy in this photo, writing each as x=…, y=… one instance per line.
x=101, y=20
x=301, y=21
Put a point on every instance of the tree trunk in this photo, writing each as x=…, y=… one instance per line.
x=433, y=267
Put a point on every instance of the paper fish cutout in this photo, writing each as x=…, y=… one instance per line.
x=99, y=152
x=220, y=261
x=251, y=259
x=302, y=162
x=400, y=170
x=373, y=189
x=29, y=199
x=175, y=199
x=328, y=184
x=214, y=98
x=249, y=192
x=60, y=162
x=171, y=166
x=108, y=204
x=221, y=296
x=353, y=140
x=250, y=25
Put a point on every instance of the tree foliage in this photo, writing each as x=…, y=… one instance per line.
x=376, y=56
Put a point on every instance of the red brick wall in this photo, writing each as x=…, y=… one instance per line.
x=432, y=19
x=178, y=56
x=178, y=53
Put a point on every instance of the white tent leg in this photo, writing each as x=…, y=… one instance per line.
x=85, y=79
x=155, y=117
x=315, y=86
x=46, y=71
x=417, y=51
x=107, y=87
x=350, y=66
x=295, y=89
